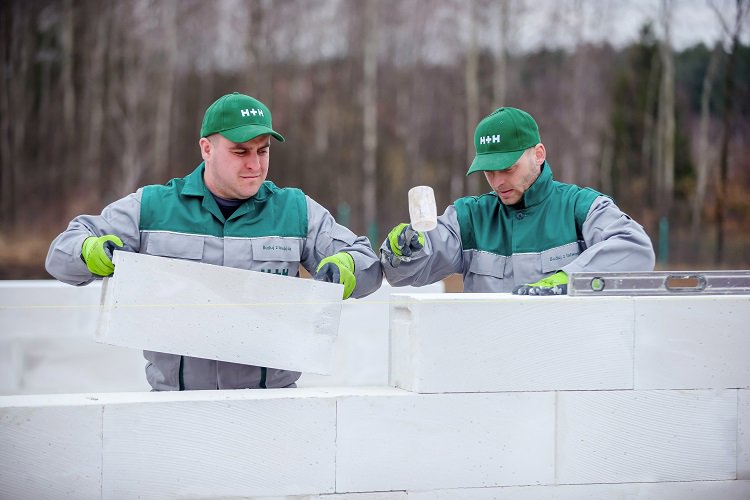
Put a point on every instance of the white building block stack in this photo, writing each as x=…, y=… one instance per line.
x=516, y=398
x=47, y=342
x=647, y=389
x=216, y=312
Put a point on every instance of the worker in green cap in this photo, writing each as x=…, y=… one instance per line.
x=224, y=213
x=528, y=234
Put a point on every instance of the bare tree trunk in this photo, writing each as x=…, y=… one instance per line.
x=471, y=80
x=127, y=93
x=260, y=76
x=14, y=115
x=729, y=90
x=502, y=27
x=572, y=168
x=8, y=19
x=648, y=156
x=666, y=131
x=165, y=97
x=607, y=162
x=703, y=142
x=458, y=172
x=95, y=98
x=370, y=118
x=67, y=37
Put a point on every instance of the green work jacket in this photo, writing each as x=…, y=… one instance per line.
x=277, y=230
x=555, y=226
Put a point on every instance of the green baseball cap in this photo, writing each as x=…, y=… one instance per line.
x=501, y=138
x=239, y=118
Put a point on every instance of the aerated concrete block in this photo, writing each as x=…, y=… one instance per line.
x=65, y=365
x=45, y=308
x=698, y=490
x=50, y=447
x=743, y=436
x=216, y=444
x=646, y=436
x=215, y=312
x=430, y=441
x=361, y=351
x=692, y=342
x=501, y=342
x=10, y=367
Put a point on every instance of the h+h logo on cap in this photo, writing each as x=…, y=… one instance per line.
x=489, y=139
x=253, y=111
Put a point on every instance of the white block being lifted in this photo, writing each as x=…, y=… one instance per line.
x=458, y=342
x=692, y=342
x=215, y=312
x=646, y=436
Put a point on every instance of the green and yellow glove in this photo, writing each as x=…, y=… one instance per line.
x=403, y=241
x=338, y=268
x=556, y=284
x=97, y=253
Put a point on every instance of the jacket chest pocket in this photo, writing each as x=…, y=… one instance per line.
x=488, y=264
x=174, y=245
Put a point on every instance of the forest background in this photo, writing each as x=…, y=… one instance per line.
x=376, y=96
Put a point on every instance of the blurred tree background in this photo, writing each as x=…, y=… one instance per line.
x=374, y=97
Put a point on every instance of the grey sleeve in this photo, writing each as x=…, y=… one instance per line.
x=614, y=242
x=325, y=237
x=441, y=256
x=120, y=218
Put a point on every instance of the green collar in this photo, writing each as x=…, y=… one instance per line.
x=539, y=189
x=194, y=186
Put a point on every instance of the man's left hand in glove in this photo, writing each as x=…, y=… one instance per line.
x=338, y=268
x=556, y=284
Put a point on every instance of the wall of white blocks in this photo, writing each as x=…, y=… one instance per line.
x=47, y=342
x=496, y=397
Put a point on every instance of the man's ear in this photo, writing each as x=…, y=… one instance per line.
x=540, y=153
x=206, y=147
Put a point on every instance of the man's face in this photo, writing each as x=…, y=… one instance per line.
x=511, y=183
x=235, y=171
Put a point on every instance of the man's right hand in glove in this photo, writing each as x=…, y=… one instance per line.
x=97, y=253
x=403, y=241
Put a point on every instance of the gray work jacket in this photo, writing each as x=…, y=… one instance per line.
x=277, y=230
x=495, y=247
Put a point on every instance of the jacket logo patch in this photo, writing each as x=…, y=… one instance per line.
x=566, y=255
x=283, y=248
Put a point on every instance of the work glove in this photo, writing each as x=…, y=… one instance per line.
x=403, y=241
x=556, y=284
x=97, y=253
x=338, y=268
